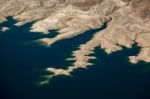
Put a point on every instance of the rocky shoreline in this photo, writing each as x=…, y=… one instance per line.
x=130, y=23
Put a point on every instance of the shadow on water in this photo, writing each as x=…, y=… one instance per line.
x=111, y=75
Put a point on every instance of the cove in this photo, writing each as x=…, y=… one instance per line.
x=112, y=76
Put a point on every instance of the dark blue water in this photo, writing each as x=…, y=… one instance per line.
x=21, y=65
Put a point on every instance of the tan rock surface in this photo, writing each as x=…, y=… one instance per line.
x=130, y=23
x=4, y=29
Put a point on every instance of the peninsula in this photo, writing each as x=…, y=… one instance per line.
x=128, y=23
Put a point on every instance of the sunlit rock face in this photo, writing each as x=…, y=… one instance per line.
x=128, y=23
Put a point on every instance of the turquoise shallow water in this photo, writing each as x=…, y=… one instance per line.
x=111, y=77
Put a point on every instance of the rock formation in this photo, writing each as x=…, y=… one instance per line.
x=129, y=23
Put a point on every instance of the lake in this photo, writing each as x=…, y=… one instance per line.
x=22, y=62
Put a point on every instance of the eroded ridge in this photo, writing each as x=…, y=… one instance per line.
x=130, y=23
x=125, y=29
